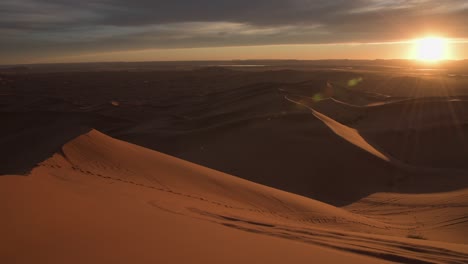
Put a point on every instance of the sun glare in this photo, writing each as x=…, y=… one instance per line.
x=431, y=49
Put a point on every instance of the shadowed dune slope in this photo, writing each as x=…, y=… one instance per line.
x=291, y=152
x=429, y=133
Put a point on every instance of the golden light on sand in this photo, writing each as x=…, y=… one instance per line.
x=431, y=49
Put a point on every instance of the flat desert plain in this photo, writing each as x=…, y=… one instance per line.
x=358, y=162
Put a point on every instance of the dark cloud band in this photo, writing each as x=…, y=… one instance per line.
x=29, y=26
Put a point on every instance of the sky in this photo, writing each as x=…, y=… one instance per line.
x=41, y=31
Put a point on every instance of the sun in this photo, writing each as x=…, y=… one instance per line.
x=431, y=49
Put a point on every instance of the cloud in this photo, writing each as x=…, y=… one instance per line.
x=31, y=26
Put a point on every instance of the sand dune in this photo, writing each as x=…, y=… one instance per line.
x=423, y=132
x=372, y=172
x=212, y=115
x=145, y=206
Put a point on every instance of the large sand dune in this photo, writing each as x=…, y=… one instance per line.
x=104, y=200
x=266, y=166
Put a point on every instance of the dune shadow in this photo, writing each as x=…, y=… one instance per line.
x=28, y=138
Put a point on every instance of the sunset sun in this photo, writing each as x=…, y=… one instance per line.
x=431, y=49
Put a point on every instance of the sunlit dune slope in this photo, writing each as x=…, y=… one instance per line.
x=105, y=200
x=103, y=155
x=434, y=216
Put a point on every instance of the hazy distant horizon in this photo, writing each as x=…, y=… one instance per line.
x=287, y=52
x=247, y=62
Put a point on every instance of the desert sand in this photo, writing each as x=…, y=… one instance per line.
x=214, y=165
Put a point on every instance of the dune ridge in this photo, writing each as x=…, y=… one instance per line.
x=354, y=137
